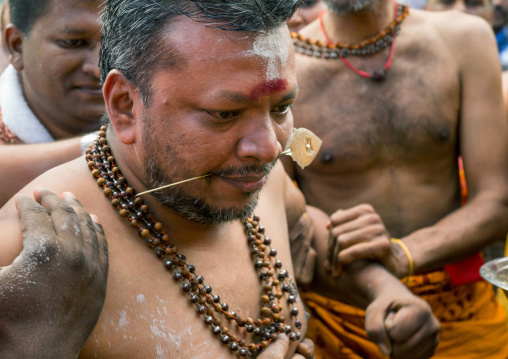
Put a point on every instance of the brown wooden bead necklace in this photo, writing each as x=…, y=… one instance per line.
x=277, y=282
x=367, y=47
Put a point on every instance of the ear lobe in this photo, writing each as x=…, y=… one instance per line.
x=13, y=41
x=121, y=99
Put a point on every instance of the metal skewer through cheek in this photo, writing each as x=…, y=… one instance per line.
x=173, y=184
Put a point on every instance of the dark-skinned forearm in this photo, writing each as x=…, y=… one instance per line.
x=460, y=234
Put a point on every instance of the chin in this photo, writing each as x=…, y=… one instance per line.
x=200, y=211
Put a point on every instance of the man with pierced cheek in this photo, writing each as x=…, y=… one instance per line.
x=203, y=269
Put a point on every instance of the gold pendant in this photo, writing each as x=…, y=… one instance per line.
x=303, y=146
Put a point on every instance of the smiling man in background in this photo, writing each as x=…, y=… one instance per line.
x=51, y=91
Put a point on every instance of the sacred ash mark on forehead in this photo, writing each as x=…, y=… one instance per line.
x=274, y=49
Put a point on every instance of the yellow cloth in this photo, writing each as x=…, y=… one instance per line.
x=473, y=323
x=501, y=296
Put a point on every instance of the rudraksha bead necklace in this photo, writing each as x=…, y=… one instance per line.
x=366, y=47
x=277, y=284
x=375, y=44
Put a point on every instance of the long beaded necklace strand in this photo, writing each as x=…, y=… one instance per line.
x=367, y=47
x=276, y=281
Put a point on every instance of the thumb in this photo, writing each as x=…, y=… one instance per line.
x=277, y=349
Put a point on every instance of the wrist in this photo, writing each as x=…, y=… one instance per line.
x=404, y=259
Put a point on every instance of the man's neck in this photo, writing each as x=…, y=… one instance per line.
x=357, y=26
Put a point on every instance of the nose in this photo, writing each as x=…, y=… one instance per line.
x=91, y=63
x=260, y=143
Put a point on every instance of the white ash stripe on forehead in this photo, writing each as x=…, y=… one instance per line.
x=273, y=47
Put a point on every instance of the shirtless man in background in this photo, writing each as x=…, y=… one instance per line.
x=393, y=126
x=173, y=118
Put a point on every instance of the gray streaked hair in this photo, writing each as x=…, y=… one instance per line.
x=133, y=29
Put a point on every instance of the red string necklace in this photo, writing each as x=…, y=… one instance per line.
x=377, y=75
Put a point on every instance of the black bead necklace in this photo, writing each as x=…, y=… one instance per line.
x=277, y=284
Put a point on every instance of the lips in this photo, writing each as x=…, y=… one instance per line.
x=246, y=183
x=90, y=89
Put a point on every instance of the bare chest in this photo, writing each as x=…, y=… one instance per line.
x=148, y=314
x=411, y=116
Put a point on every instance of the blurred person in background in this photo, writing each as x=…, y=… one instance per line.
x=50, y=95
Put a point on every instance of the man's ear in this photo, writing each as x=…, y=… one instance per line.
x=123, y=103
x=13, y=40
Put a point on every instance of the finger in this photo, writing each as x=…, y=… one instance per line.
x=347, y=215
x=35, y=222
x=103, y=244
x=88, y=230
x=406, y=321
x=64, y=217
x=335, y=254
x=421, y=344
x=418, y=346
x=369, y=222
x=368, y=234
x=277, y=349
x=306, y=348
x=375, y=250
x=39, y=236
x=376, y=331
x=330, y=250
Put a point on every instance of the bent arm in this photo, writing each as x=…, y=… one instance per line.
x=398, y=322
x=484, y=148
x=23, y=163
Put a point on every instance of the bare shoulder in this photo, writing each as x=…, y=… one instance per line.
x=456, y=28
x=64, y=178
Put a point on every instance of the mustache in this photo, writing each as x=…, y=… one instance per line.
x=244, y=170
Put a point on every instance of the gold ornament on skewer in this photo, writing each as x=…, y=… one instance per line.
x=303, y=147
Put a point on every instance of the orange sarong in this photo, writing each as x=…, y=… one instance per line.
x=473, y=323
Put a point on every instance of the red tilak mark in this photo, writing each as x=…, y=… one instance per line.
x=267, y=88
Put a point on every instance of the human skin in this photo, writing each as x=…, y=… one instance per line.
x=61, y=86
x=61, y=83
x=500, y=15
x=394, y=144
x=75, y=262
x=305, y=15
x=4, y=53
x=504, y=81
x=481, y=8
x=145, y=313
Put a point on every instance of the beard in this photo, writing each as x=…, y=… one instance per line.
x=186, y=205
x=343, y=7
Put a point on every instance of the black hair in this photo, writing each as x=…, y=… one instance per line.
x=132, y=30
x=24, y=13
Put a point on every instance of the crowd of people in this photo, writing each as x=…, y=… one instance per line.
x=148, y=209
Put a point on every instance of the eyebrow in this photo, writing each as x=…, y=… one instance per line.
x=74, y=31
x=241, y=97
